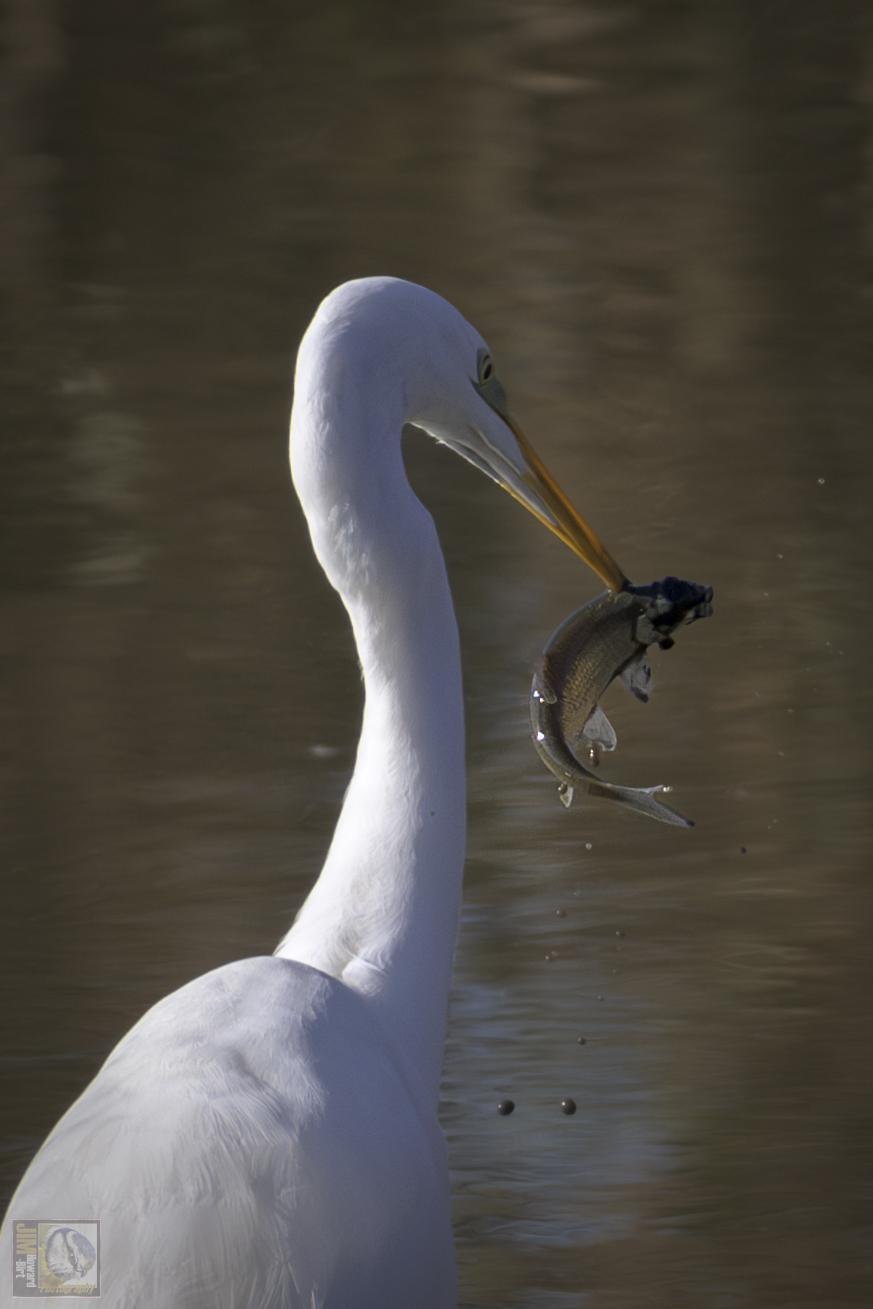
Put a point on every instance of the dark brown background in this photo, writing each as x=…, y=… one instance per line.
x=659, y=214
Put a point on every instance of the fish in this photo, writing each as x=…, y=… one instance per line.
x=607, y=638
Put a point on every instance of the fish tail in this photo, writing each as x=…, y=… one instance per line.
x=642, y=799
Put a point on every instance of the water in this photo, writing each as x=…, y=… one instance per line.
x=659, y=215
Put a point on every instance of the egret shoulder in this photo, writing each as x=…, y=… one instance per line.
x=238, y=1135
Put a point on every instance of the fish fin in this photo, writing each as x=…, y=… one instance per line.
x=637, y=677
x=542, y=688
x=565, y=794
x=643, y=799
x=598, y=730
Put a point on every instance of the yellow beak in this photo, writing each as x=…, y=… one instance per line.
x=521, y=472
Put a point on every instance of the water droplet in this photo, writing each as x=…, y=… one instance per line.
x=581, y=1040
x=506, y=1107
x=619, y=931
x=588, y=845
x=319, y=751
x=821, y=481
x=541, y=736
x=568, y=1106
x=560, y=913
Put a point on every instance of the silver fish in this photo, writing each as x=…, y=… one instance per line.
x=605, y=639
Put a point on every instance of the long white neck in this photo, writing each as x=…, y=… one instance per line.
x=383, y=914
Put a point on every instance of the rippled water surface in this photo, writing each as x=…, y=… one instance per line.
x=659, y=215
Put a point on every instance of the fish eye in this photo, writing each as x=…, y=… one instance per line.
x=486, y=366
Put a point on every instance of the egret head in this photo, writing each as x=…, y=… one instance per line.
x=413, y=344
x=461, y=401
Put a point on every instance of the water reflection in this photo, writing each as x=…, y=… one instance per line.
x=660, y=217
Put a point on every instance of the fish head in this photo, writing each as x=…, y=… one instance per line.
x=669, y=604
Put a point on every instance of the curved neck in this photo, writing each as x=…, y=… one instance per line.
x=383, y=914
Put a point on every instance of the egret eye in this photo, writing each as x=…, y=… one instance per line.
x=486, y=367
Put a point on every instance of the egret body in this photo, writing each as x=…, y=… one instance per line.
x=266, y=1137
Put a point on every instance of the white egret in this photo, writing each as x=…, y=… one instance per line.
x=266, y=1137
